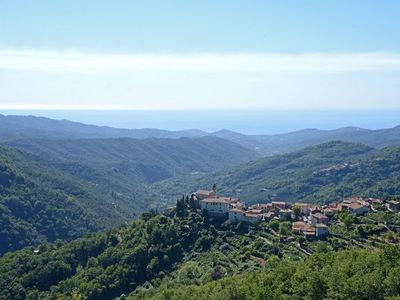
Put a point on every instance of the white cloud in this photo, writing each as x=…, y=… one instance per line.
x=45, y=79
x=77, y=61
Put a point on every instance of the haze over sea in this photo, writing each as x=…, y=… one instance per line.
x=244, y=121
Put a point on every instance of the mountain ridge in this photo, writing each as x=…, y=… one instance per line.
x=14, y=127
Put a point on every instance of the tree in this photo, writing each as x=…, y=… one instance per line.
x=296, y=212
x=284, y=228
x=347, y=219
x=180, y=207
x=274, y=225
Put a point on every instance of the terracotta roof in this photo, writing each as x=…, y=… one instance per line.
x=298, y=225
x=236, y=210
x=355, y=206
x=224, y=200
x=319, y=216
x=279, y=202
x=250, y=215
x=203, y=192
x=254, y=211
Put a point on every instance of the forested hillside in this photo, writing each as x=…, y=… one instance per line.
x=320, y=174
x=33, y=209
x=192, y=257
x=287, y=142
x=66, y=189
x=148, y=160
x=289, y=176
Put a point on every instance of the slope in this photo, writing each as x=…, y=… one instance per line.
x=33, y=210
x=19, y=127
x=100, y=183
x=191, y=257
x=289, y=176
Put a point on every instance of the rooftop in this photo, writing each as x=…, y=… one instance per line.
x=224, y=200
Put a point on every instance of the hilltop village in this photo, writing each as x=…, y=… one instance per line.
x=309, y=220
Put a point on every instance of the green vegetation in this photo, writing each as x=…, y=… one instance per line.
x=193, y=257
x=66, y=189
x=25, y=127
x=351, y=274
x=32, y=210
x=320, y=174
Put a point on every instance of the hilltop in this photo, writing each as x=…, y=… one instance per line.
x=21, y=127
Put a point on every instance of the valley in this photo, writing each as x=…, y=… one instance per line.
x=81, y=217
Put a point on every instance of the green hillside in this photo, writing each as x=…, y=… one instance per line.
x=69, y=188
x=288, y=176
x=33, y=210
x=287, y=142
x=24, y=127
x=27, y=127
x=192, y=257
x=321, y=174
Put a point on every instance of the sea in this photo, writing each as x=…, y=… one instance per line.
x=244, y=121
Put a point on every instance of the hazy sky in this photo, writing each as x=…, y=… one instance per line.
x=199, y=54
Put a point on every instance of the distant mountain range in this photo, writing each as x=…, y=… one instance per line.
x=321, y=174
x=16, y=127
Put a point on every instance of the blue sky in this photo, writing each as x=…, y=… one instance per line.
x=199, y=54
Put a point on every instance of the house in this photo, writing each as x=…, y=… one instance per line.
x=280, y=204
x=356, y=208
x=204, y=194
x=328, y=212
x=253, y=217
x=217, y=206
x=393, y=205
x=236, y=215
x=269, y=215
x=297, y=227
x=318, y=218
x=305, y=208
x=265, y=207
x=303, y=228
x=239, y=215
x=321, y=230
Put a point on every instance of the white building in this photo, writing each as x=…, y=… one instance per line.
x=218, y=206
x=236, y=215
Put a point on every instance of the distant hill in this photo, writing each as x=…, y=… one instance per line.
x=287, y=142
x=63, y=189
x=323, y=173
x=16, y=127
x=300, y=175
x=21, y=127
x=146, y=160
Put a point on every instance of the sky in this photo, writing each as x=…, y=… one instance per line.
x=200, y=54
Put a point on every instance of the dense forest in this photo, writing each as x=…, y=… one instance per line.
x=189, y=256
x=320, y=174
x=64, y=189
x=33, y=210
